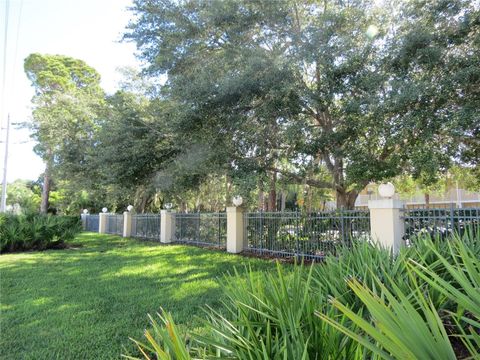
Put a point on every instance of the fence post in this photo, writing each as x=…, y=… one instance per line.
x=452, y=219
x=102, y=223
x=386, y=223
x=235, y=236
x=84, y=221
x=167, y=226
x=127, y=224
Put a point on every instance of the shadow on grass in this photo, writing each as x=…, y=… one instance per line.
x=85, y=302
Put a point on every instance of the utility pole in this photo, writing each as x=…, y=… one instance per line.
x=3, y=204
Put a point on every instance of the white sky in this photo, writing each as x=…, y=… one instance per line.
x=89, y=30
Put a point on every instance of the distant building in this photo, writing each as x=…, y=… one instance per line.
x=459, y=198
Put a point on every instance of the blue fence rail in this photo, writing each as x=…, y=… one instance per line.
x=293, y=234
x=114, y=224
x=440, y=222
x=91, y=222
x=208, y=229
x=146, y=226
x=307, y=235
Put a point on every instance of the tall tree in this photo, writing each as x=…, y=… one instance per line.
x=356, y=83
x=67, y=101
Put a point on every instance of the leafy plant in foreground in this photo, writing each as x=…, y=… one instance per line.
x=36, y=232
x=464, y=291
x=388, y=306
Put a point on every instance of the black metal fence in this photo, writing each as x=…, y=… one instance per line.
x=308, y=235
x=201, y=229
x=91, y=222
x=440, y=222
x=114, y=224
x=146, y=226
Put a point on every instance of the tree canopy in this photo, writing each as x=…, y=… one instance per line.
x=67, y=101
x=309, y=99
x=358, y=89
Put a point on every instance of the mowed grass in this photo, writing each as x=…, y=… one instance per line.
x=85, y=302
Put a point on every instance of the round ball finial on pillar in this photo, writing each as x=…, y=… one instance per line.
x=129, y=208
x=386, y=190
x=104, y=210
x=237, y=201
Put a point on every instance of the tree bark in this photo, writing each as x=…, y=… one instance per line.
x=427, y=200
x=261, y=196
x=284, y=201
x=272, y=194
x=228, y=189
x=143, y=203
x=346, y=199
x=45, y=190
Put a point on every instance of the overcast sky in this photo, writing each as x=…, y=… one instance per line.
x=89, y=30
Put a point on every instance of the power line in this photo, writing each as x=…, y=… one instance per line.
x=4, y=81
x=17, y=37
x=3, y=201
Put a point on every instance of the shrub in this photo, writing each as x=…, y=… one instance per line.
x=36, y=232
x=423, y=303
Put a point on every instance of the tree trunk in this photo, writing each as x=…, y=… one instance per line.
x=346, y=199
x=46, y=190
x=272, y=195
x=261, y=196
x=427, y=200
x=284, y=201
x=143, y=203
x=309, y=200
x=228, y=189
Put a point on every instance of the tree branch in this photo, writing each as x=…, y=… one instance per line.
x=302, y=180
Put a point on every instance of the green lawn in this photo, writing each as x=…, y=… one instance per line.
x=84, y=303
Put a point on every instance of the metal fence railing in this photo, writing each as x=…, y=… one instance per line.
x=440, y=222
x=201, y=229
x=91, y=222
x=114, y=224
x=146, y=226
x=311, y=235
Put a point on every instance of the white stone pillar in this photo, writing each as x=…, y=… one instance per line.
x=84, y=221
x=386, y=224
x=127, y=224
x=102, y=223
x=167, y=226
x=235, y=235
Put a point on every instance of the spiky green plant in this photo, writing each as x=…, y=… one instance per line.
x=164, y=340
x=398, y=325
x=36, y=232
x=463, y=266
x=270, y=315
x=388, y=306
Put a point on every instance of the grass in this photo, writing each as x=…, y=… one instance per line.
x=85, y=302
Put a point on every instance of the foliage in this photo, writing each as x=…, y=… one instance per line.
x=36, y=232
x=25, y=194
x=419, y=304
x=132, y=144
x=294, y=88
x=457, y=176
x=88, y=299
x=305, y=98
x=67, y=101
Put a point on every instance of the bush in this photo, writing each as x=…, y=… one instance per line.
x=362, y=304
x=36, y=232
